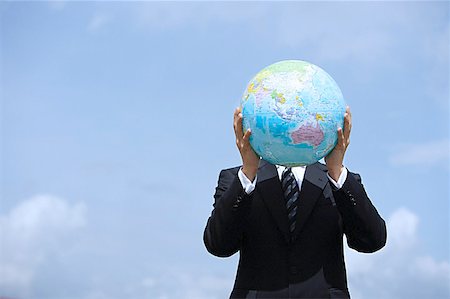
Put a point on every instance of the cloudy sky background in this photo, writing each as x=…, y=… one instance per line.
x=116, y=119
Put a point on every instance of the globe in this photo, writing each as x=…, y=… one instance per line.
x=293, y=109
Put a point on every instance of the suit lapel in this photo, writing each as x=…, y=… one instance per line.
x=312, y=187
x=268, y=187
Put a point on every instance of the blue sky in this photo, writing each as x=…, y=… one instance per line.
x=116, y=118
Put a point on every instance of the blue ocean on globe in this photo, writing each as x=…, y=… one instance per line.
x=294, y=109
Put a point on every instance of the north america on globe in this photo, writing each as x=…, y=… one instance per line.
x=293, y=109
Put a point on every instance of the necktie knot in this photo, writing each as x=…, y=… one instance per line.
x=287, y=174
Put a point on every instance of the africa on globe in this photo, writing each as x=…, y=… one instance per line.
x=293, y=109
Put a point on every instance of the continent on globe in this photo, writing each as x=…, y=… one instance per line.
x=308, y=134
x=294, y=109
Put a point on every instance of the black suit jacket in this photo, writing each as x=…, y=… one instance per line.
x=312, y=258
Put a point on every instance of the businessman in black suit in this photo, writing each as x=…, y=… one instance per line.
x=291, y=251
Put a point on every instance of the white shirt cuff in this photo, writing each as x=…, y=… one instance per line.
x=341, y=180
x=246, y=183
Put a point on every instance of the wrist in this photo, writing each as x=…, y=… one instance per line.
x=250, y=171
x=335, y=172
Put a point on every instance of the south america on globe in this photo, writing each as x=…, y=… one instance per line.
x=293, y=109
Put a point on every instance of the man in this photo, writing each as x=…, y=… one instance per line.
x=291, y=248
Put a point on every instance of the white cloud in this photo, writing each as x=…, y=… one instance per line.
x=425, y=154
x=32, y=230
x=402, y=229
x=398, y=270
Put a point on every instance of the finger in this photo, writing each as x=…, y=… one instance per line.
x=341, y=137
x=349, y=115
x=237, y=124
x=236, y=115
x=246, y=137
x=347, y=125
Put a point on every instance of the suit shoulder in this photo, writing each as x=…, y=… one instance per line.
x=324, y=168
x=226, y=178
x=321, y=166
x=231, y=169
x=228, y=172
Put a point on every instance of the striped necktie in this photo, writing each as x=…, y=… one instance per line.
x=290, y=192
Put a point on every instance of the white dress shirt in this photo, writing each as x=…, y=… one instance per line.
x=299, y=173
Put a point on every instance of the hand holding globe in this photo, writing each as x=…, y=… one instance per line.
x=335, y=158
x=250, y=160
x=292, y=113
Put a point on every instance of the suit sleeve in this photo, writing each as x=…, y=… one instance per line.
x=363, y=226
x=224, y=230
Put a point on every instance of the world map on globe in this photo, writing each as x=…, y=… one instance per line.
x=293, y=109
